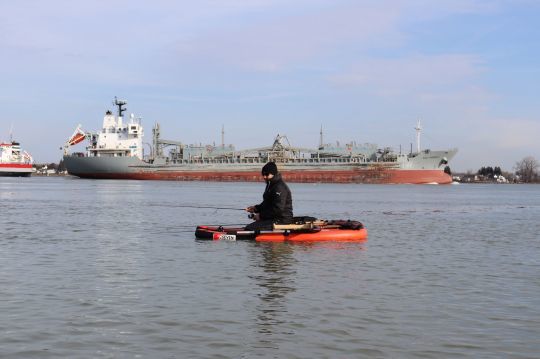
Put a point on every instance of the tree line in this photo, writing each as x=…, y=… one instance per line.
x=526, y=171
x=490, y=171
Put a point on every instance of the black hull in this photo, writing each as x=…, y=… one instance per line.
x=15, y=174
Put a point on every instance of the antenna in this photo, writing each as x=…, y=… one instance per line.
x=119, y=103
x=418, y=129
x=11, y=133
x=222, y=136
x=321, y=139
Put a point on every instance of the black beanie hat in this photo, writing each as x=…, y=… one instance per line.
x=269, y=168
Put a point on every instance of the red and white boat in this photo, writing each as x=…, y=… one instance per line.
x=313, y=230
x=13, y=161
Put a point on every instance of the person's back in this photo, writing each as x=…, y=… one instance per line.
x=276, y=206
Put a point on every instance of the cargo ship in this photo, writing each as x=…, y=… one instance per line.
x=13, y=161
x=116, y=152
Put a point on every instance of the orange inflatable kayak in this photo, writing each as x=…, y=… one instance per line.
x=316, y=231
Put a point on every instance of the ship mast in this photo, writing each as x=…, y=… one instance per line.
x=321, y=140
x=418, y=129
x=222, y=136
x=156, y=150
x=120, y=104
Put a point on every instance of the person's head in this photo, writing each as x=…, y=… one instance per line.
x=269, y=170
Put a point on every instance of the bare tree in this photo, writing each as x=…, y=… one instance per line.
x=527, y=169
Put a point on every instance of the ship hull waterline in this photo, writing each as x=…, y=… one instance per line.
x=15, y=170
x=76, y=166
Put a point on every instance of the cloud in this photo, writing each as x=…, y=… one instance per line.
x=278, y=41
x=254, y=35
x=420, y=10
x=411, y=73
x=289, y=36
x=513, y=133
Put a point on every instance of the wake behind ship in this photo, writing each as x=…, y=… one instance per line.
x=116, y=152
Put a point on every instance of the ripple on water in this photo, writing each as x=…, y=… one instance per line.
x=111, y=269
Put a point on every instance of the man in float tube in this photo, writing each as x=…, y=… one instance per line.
x=276, y=206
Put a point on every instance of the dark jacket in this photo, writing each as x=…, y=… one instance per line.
x=277, y=201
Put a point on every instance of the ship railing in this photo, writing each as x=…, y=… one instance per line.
x=261, y=160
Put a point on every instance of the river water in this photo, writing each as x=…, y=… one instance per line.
x=111, y=269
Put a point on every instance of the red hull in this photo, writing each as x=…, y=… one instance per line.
x=15, y=165
x=15, y=170
x=360, y=176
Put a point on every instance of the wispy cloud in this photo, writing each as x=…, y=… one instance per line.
x=274, y=43
x=408, y=74
x=512, y=133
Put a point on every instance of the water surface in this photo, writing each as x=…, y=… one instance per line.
x=111, y=269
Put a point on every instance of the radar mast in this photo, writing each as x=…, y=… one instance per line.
x=119, y=103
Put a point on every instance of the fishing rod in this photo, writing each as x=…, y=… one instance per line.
x=188, y=226
x=250, y=216
x=192, y=206
x=210, y=207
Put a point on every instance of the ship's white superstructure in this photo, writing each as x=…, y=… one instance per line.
x=14, y=161
x=117, y=138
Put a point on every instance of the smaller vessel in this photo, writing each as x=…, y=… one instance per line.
x=312, y=231
x=13, y=161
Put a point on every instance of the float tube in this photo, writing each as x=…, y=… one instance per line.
x=313, y=231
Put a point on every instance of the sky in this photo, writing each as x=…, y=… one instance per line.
x=365, y=71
